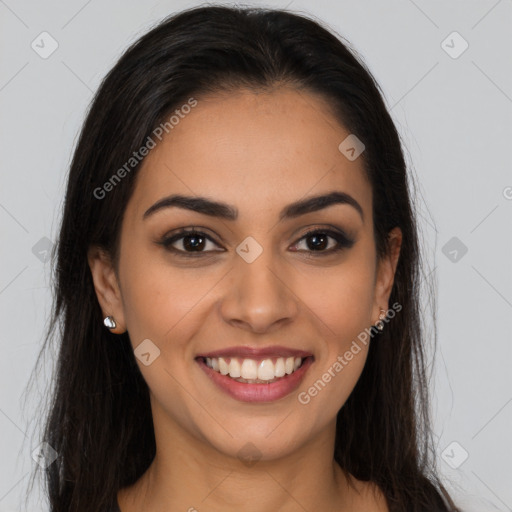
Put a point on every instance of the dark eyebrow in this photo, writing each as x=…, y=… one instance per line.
x=224, y=211
x=315, y=203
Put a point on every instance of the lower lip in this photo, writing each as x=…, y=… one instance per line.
x=258, y=392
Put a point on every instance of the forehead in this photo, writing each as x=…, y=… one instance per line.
x=257, y=151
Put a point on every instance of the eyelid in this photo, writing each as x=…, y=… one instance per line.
x=327, y=228
x=189, y=230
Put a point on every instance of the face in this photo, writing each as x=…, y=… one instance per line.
x=278, y=280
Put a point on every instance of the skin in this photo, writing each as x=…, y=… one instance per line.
x=258, y=153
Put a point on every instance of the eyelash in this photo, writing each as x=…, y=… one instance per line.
x=343, y=242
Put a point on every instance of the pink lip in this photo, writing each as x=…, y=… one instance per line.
x=257, y=353
x=257, y=392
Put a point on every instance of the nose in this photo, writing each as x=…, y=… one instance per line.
x=259, y=295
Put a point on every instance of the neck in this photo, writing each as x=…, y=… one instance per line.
x=191, y=475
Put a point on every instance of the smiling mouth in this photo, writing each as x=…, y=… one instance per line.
x=254, y=371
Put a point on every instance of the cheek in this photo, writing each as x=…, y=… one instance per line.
x=343, y=299
x=344, y=304
x=334, y=379
x=157, y=298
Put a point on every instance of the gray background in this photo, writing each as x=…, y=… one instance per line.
x=454, y=115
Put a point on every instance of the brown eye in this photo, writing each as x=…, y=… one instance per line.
x=325, y=241
x=189, y=242
x=194, y=242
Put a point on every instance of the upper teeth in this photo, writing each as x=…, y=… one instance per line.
x=252, y=369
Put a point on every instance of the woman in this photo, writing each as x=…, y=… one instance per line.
x=237, y=282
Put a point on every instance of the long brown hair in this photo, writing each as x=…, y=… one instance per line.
x=98, y=416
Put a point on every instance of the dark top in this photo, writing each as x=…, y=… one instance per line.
x=115, y=506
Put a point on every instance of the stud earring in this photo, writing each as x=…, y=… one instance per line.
x=380, y=323
x=109, y=322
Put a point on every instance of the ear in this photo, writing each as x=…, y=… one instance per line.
x=386, y=273
x=106, y=286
